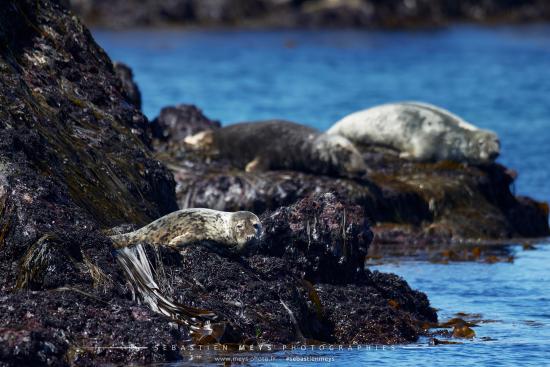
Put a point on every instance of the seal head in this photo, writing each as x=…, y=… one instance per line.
x=245, y=228
x=340, y=154
x=486, y=144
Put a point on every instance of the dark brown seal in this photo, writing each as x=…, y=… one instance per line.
x=281, y=145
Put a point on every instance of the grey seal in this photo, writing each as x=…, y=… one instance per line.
x=281, y=145
x=421, y=132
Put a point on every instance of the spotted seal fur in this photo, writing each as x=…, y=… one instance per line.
x=233, y=229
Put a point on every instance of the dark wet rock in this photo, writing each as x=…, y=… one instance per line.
x=307, y=13
x=407, y=202
x=65, y=113
x=383, y=311
x=131, y=90
x=75, y=158
x=174, y=123
x=264, y=300
x=65, y=327
x=241, y=294
x=74, y=155
x=220, y=186
x=465, y=201
x=329, y=237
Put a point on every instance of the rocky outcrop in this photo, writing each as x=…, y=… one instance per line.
x=131, y=90
x=168, y=129
x=66, y=114
x=76, y=160
x=290, y=287
x=307, y=13
x=330, y=238
x=262, y=301
x=408, y=202
x=74, y=156
x=67, y=327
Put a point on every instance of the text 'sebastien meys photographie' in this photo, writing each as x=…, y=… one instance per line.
x=274, y=182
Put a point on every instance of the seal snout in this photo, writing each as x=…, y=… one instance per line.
x=258, y=232
x=247, y=228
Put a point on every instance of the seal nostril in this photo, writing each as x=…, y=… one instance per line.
x=493, y=155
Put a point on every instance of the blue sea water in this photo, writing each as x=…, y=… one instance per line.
x=497, y=78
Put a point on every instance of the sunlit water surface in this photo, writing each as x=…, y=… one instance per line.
x=497, y=78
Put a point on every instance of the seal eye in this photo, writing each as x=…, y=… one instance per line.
x=240, y=225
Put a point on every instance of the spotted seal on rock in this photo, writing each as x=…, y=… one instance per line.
x=233, y=229
x=281, y=145
x=421, y=132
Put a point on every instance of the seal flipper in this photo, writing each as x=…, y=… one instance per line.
x=181, y=240
x=200, y=140
x=405, y=155
x=258, y=164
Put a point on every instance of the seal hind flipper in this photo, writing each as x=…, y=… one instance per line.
x=121, y=240
x=200, y=140
x=258, y=164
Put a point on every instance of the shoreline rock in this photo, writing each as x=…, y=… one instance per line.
x=330, y=237
x=167, y=127
x=306, y=14
x=282, y=291
x=126, y=76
